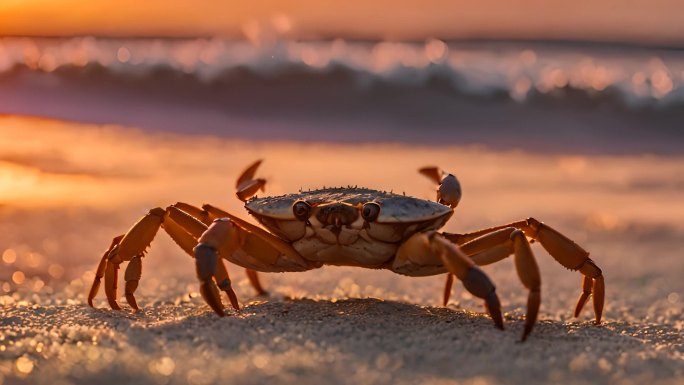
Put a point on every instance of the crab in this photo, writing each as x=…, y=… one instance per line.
x=349, y=226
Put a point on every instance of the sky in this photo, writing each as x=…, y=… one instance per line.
x=641, y=21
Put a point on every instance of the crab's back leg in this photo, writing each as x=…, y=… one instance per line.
x=563, y=250
x=101, y=268
x=129, y=248
x=182, y=227
x=447, y=288
x=132, y=245
x=253, y=278
x=431, y=251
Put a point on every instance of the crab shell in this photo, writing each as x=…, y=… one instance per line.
x=336, y=231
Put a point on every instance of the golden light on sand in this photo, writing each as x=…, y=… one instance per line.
x=164, y=366
x=18, y=277
x=9, y=256
x=38, y=284
x=83, y=166
x=673, y=297
x=24, y=365
x=22, y=183
x=56, y=271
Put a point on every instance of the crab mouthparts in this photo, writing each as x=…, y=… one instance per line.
x=337, y=214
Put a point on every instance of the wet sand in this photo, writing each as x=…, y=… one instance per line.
x=67, y=189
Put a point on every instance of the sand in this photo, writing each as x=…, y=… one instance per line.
x=333, y=325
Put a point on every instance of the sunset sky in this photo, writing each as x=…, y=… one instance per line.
x=659, y=21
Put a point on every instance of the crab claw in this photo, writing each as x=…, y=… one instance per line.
x=433, y=173
x=449, y=191
x=246, y=185
x=206, y=259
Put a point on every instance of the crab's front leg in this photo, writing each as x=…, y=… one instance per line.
x=424, y=252
x=245, y=245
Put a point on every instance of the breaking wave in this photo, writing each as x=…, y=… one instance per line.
x=523, y=73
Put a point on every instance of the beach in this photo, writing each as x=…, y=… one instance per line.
x=68, y=188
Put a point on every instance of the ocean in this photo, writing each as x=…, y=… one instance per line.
x=546, y=97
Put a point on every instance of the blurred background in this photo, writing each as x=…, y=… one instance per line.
x=593, y=77
x=569, y=111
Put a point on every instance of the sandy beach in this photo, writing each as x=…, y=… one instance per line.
x=67, y=189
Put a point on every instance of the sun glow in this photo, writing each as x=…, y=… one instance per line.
x=107, y=167
x=657, y=20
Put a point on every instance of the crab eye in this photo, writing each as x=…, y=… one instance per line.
x=301, y=210
x=370, y=211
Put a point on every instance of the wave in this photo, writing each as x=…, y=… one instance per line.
x=544, y=98
x=630, y=78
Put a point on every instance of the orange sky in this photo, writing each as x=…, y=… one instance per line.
x=625, y=20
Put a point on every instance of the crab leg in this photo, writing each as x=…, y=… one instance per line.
x=223, y=282
x=500, y=244
x=429, y=249
x=253, y=277
x=563, y=250
x=474, y=279
x=100, y=272
x=241, y=243
x=206, y=262
x=213, y=213
x=183, y=228
x=132, y=244
x=448, y=193
x=132, y=277
x=187, y=242
x=111, y=277
x=207, y=215
x=447, y=288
